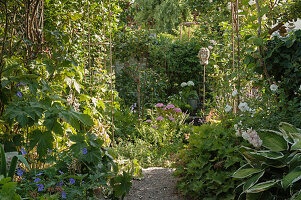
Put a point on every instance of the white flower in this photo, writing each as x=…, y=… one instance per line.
x=213, y=42
x=238, y=133
x=300, y=88
x=243, y=107
x=245, y=135
x=234, y=93
x=183, y=84
x=210, y=47
x=190, y=83
x=228, y=108
x=274, y=87
x=236, y=126
x=252, y=2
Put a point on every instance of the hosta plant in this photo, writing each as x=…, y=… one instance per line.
x=274, y=171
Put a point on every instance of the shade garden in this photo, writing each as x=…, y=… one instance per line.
x=93, y=91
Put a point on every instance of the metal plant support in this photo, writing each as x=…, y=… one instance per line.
x=203, y=55
x=106, y=43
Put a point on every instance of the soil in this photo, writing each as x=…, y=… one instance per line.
x=158, y=183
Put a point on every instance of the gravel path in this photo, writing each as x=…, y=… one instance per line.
x=158, y=183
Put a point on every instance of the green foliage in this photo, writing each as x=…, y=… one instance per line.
x=13, y=164
x=272, y=172
x=282, y=59
x=163, y=16
x=8, y=189
x=205, y=166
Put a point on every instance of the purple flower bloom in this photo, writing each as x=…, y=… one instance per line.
x=64, y=195
x=20, y=172
x=177, y=110
x=39, y=174
x=171, y=118
x=148, y=121
x=160, y=118
x=37, y=180
x=72, y=181
x=169, y=106
x=85, y=151
x=23, y=151
x=159, y=105
x=19, y=94
x=60, y=184
x=61, y=172
x=20, y=84
x=40, y=187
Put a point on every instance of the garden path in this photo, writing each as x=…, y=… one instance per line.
x=157, y=184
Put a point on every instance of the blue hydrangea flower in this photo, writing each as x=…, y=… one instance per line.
x=40, y=187
x=23, y=151
x=85, y=151
x=37, y=180
x=20, y=172
x=72, y=181
x=64, y=195
x=39, y=174
x=19, y=94
x=61, y=172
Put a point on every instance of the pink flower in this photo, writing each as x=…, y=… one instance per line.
x=169, y=106
x=148, y=121
x=177, y=109
x=160, y=118
x=154, y=127
x=171, y=118
x=159, y=105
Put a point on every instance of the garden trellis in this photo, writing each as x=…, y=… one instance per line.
x=106, y=42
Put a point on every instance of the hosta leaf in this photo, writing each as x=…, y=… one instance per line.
x=273, y=141
x=260, y=187
x=245, y=171
x=292, y=177
x=291, y=131
x=296, y=196
x=296, y=145
x=294, y=160
x=269, y=154
x=252, y=180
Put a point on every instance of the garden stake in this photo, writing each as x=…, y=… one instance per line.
x=203, y=55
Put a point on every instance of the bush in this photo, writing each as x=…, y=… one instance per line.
x=272, y=172
x=206, y=165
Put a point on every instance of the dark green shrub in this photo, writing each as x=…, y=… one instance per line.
x=206, y=165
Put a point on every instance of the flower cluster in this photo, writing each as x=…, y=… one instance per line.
x=228, y=108
x=243, y=106
x=274, y=87
x=249, y=134
x=189, y=83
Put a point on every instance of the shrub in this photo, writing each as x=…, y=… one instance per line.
x=274, y=171
x=206, y=165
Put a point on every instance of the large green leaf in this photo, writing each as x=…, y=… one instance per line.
x=292, y=177
x=43, y=140
x=263, y=186
x=252, y=180
x=3, y=162
x=84, y=118
x=294, y=160
x=296, y=145
x=245, y=171
x=269, y=154
x=291, y=131
x=273, y=141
